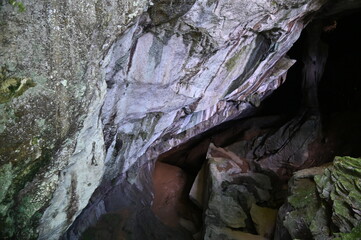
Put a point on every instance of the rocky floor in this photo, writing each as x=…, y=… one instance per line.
x=241, y=181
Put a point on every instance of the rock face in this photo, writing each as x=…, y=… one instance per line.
x=93, y=91
x=233, y=194
x=324, y=202
x=175, y=69
x=52, y=89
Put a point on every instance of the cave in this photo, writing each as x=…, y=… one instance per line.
x=182, y=120
x=328, y=50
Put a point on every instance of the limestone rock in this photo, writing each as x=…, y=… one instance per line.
x=51, y=139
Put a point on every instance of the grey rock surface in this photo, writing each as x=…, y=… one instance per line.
x=51, y=139
x=232, y=194
x=322, y=202
x=160, y=77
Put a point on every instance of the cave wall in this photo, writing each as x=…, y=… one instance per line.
x=168, y=82
x=51, y=139
x=92, y=92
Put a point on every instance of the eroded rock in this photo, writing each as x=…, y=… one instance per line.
x=161, y=78
x=324, y=202
x=232, y=193
x=51, y=140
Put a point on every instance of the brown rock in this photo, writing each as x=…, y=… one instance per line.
x=168, y=183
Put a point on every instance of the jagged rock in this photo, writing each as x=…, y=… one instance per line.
x=232, y=191
x=308, y=219
x=304, y=200
x=161, y=77
x=340, y=186
x=287, y=149
x=279, y=150
x=164, y=11
x=324, y=202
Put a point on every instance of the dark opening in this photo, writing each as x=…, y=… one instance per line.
x=340, y=87
x=339, y=96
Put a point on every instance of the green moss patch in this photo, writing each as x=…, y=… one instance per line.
x=329, y=198
x=354, y=234
x=20, y=209
x=12, y=87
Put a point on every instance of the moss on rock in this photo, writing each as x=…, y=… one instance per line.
x=305, y=205
x=21, y=210
x=11, y=87
x=354, y=234
x=327, y=198
x=340, y=185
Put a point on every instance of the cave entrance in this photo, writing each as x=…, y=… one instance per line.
x=312, y=122
x=324, y=83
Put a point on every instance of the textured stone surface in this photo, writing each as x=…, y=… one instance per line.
x=264, y=220
x=176, y=69
x=51, y=140
x=340, y=184
x=208, y=65
x=287, y=149
x=232, y=194
x=324, y=202
x=161, y=78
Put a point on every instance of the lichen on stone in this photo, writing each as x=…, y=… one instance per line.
x=12, y=87
x=5, y=180
x=20, y=214
x=340, y=185
x=233, y=61
x=354, y=234
x=328, y=197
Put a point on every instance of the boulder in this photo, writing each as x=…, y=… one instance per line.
x=324, y=202
x=232, y=193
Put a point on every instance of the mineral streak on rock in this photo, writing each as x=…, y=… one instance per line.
x=101, y=88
